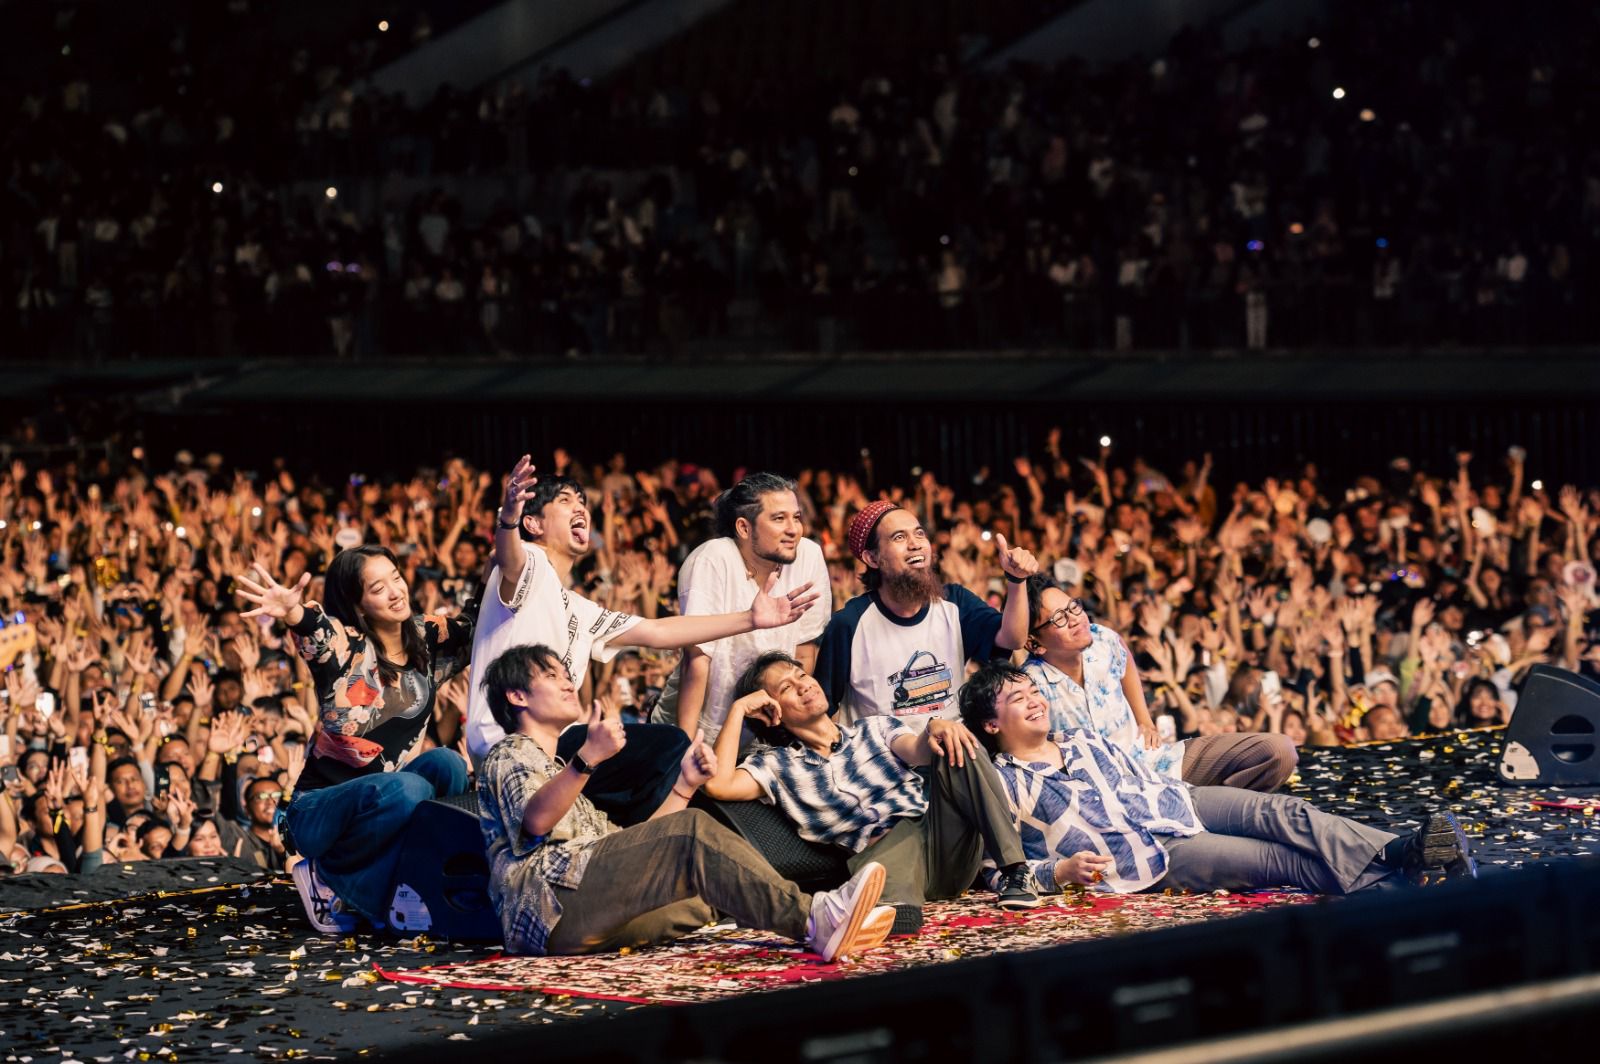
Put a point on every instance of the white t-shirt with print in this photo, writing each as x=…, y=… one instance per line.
x=714, y=580
x=540, y=611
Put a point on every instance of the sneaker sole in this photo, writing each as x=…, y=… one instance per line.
x=843, y=938
x=301, y=874
x=875, y=929
x=1013, y=905
x=1442, y=840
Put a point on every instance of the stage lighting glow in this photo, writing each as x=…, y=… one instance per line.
x=1255, y=245
x=331, y=192
x=1296, y=228
x=1315, y=42
x=1538, y=485
x=1105, y=441
x=255, y=511
x=216, y=186
x=1338, y=93
x=383, y=25
x=1367, y=114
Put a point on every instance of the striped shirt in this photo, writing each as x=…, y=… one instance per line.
x=1099, y=800
x=849, y=798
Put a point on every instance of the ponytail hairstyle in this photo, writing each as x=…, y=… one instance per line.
x=744, y=500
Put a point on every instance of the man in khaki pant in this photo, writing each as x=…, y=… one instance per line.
x=564, y=879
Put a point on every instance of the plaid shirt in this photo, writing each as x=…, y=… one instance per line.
x=525, y=870
x=850, y=797
x=1099, y=800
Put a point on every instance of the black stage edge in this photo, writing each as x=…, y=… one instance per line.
x=38, y=892
x=1282, y=968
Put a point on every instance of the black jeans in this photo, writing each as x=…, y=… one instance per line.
x=630, y=785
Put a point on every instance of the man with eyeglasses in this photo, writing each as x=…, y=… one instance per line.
x=1081, y=668
x=257, y=839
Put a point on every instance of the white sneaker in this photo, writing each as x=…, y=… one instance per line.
x=323, y=907
x=833, y=930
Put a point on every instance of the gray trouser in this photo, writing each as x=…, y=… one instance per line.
x=937, y=855
x=665, y=878
x=1256, y=761
x=1256, y=840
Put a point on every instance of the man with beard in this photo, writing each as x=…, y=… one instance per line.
x=543, y=530
x=760, y=531
x=901, y=649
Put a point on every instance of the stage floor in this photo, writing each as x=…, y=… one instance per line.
x=199, y=974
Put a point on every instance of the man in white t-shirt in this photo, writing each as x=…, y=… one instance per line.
x=542, y=530
x=760, y=531
x=902, y=648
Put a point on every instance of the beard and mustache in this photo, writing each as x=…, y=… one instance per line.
x=917, y=587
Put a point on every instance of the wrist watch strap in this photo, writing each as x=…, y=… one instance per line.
x=583, y=767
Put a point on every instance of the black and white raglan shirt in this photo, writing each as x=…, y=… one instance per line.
x=873, y=662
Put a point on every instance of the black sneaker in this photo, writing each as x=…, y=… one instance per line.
x=1438, y=851
x=1018, y=889
x=907, y=919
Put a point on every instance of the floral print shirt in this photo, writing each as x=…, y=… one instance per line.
x=366, y=726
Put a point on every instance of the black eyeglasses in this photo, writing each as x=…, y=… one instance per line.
x=1062, y=617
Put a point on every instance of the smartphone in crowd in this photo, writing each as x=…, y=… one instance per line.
x=78, y=758
x=163, y=780
x=265, y=755
x=45, y=704
x=147, y=703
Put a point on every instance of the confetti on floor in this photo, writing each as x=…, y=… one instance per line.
x=727, y=961
x=236, y=971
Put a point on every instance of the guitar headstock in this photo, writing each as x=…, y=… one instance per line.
x=15, y=641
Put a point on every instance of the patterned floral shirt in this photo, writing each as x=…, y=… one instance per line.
x=1098, y=800
x=525, y=870
x=1100, y=705
x=365, y=725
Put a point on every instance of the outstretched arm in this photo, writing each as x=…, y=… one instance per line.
x=767, y=611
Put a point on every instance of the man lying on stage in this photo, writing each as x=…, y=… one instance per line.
x=1082, y=670
x=565, y=880
x=1088, y=814
x=857, y=786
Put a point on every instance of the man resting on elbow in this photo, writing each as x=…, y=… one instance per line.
x=930, y=836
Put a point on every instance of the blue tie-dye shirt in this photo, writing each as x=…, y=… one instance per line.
x=1100, y=705
x=1099, y=800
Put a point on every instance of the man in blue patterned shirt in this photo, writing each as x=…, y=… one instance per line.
x=1090, y=815
x=1083, y=672
x=858, y=787
x=565, y=880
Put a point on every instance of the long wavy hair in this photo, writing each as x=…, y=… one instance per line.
x=344, y=587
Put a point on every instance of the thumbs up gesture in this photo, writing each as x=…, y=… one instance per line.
x=699, y=762
x=1016, y=562
x=605, y=736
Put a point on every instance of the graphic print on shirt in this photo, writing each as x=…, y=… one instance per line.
x=925, y=681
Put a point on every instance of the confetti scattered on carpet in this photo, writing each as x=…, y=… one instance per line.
x=235, y=970
x=726, y=961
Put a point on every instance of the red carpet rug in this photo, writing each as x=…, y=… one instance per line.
x=725, y=961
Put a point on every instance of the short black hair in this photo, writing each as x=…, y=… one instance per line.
x=545, y=493
x=119, y=763
x=1037, y=585
x=744, y=500
x=151, y=826
x=978, y=697
x=749, y=683
x=510, y=672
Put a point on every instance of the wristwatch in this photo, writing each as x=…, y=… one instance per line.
x=512, y=527
x=583, y=767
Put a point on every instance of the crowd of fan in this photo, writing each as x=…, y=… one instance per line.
x=1309, y=191
x=144, y=719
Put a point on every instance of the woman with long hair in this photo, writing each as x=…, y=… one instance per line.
x=377, y=667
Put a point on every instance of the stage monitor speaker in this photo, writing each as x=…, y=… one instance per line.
x=1554, y=737
x=442, y=877
x=811, y=865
